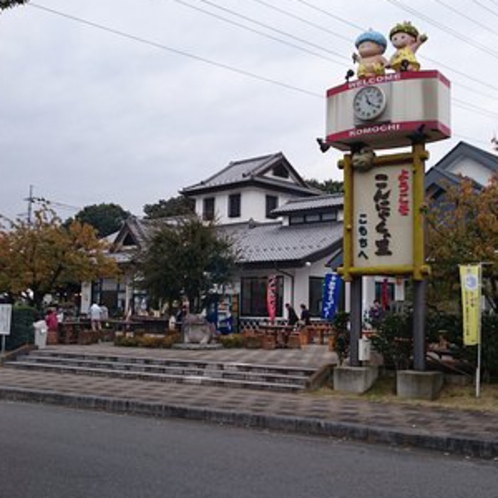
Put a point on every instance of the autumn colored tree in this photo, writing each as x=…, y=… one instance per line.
x=186, y=260
x=38, y=258
x=463, y=229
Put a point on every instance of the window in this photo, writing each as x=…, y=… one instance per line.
x=253, y=296
x=329, y=216
x=280, y=171
x=298, y=219
x=208, y=209
x=315, y=297
x=271, y=204
x=234, y=206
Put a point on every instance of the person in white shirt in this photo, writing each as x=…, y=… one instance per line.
x=95, y=316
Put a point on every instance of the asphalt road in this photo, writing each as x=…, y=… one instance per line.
x=55, y=452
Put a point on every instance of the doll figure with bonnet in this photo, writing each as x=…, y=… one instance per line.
x=371, y=46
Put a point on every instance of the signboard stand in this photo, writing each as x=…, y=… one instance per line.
x=406, y=257
x=5, y=321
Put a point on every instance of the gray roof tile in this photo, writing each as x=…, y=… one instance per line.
x=273, y=242
x=320, y=202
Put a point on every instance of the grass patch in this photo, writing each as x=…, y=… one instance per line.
x=452, y=396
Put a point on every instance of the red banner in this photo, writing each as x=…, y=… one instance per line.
x=271, y=297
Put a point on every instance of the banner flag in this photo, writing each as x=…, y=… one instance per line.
x=271, y=297
x=470, y=278
x=330, y=296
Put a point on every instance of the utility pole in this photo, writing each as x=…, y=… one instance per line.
x=30, y=204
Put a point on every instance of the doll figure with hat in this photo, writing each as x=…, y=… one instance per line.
x=407, y=40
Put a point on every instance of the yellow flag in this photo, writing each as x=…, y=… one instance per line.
x=470, y=278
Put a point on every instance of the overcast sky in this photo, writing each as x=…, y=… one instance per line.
x=129, y=101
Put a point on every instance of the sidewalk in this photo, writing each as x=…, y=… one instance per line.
x=468, y=432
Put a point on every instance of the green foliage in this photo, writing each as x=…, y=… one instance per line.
x=105, y=218
x=7, y=4
x=174, y=206
x=147, y=341
x=21, y=332
x=340, y=324
x=232, y=341
x=450, y=326
x=328, y=186
x=393, y=339
x=186, y=260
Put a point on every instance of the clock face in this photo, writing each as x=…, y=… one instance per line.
x=369, y=103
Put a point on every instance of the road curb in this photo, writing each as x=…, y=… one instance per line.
x=298, y=425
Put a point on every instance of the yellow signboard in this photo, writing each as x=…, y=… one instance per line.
x=470, y=278
x=384, y=216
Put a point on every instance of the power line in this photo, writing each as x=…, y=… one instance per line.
x=465, y=16
x=433, y=61
x=174, y=50
x=461, y=104
x=329, y=14
x=271, y=28
x=485, y=7
x=301, y=19
x=444, y=28
x=252, y=30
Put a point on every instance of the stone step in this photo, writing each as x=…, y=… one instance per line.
x=221, y=370
x=203, y=379
x=170, y=362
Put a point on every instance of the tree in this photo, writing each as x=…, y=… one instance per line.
x=174, y=206
x=38, y=258
x=328, y=186
x=463, y=229
x=186, y=260
x=105, y=218
x=7, y=4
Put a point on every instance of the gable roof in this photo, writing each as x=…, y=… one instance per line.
x=440, y=178
x=463, y=149
x=141, y=230
x=253, y=172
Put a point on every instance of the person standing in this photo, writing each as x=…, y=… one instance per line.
x=292, y=317
x=95, y=317
x=305, y=315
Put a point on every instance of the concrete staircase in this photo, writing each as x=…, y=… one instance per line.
x=225, y=374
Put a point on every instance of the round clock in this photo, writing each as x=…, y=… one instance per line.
x=369, y=103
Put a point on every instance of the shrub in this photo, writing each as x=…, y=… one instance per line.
x=340, y=324
x=394, y=331
x=147, y=341
x=21, y=331
x=232, y=341
x=393, y=339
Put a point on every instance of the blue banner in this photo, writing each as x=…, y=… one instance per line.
x=331, y=292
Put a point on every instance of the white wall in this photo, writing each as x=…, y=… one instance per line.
x=252, y=204
x=472, y=169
